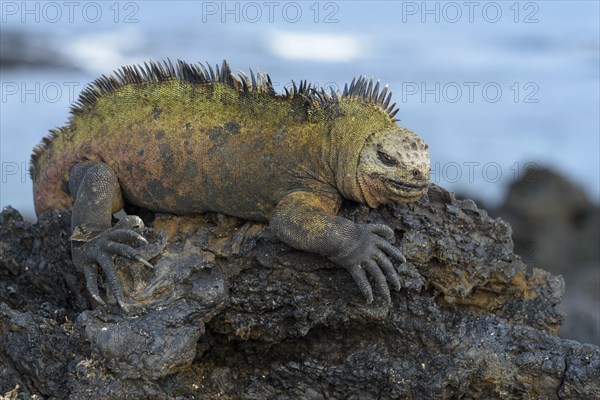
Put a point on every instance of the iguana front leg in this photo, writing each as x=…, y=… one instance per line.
x=307, y=221
x=94, y=242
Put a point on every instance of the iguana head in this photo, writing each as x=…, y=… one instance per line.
x=393, y=167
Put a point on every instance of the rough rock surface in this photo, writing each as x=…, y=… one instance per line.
x=230, y=312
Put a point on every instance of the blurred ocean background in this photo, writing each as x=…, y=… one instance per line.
x=492, y=87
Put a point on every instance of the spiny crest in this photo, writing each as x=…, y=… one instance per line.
x=360, y=88
x=160, y=72
x=363, y=88
x=41, y=148
x=304, y=89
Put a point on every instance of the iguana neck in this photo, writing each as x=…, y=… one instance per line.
x=349, y=135
x=345, y=156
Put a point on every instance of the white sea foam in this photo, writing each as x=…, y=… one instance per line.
x=100, y=52
x=317, y=46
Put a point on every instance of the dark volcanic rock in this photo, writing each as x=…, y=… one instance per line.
x=22, y=49
x=556, y=227
x=231, y=312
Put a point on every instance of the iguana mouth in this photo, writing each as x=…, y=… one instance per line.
x=407, y=187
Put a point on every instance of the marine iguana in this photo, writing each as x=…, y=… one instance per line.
x=187, y=139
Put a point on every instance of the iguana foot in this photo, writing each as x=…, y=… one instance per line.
x=371, y=253
x=100, y=248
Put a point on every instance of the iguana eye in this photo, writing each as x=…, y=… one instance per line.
x=386, y=160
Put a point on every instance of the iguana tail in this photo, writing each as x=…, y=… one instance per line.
x=50, y=173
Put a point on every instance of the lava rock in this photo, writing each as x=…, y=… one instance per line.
x=556, y=227
x=231, y=312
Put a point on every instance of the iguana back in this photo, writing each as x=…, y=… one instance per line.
x=190, y=139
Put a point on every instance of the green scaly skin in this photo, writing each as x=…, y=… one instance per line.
x=172, y=143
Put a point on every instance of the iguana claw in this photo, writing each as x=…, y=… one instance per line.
x=101, y=248
x=371, y=253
